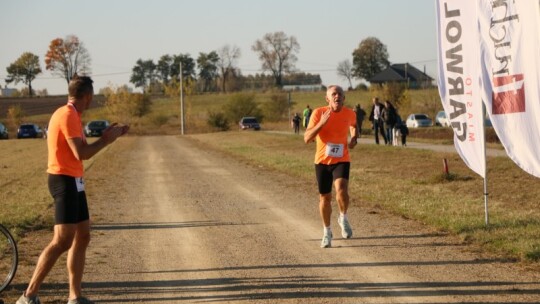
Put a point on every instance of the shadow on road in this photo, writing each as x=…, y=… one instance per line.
x=283, y=288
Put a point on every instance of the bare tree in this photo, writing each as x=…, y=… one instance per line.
x=277, y=52
x=228, y=55
x=67, y=57
x=345, y=71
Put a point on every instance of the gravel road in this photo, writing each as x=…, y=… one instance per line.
x=187, y=225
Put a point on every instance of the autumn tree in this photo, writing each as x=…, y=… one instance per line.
x=227, y=59
x=370, y=58
x=25, y=69
x=345, y=71
x=277, y=53
x=67, y=57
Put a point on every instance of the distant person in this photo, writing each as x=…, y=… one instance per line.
x=389, y=114
x=330, y=126
x=404, y=131
x=376, y=119
x=360, y=116
x=296, y=123
x=307, y=115
x=67, y=148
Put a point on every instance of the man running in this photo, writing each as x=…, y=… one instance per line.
x=331, y=126
x=67, y=149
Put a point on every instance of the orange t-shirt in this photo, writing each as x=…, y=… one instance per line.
x=65, y=123
x=332, y=145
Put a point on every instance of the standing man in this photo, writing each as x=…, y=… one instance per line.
x=376, y=118
x=307, y=115
x=360, y=115
x=330, y=126
x=296, y=123
x=67, y=148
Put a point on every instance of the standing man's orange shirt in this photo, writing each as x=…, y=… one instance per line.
x=332, y=147
x=65, y=123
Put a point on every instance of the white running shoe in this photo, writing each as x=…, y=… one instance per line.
x=327, y=240
x=346, y=229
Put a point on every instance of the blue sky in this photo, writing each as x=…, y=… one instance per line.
x=118, y=32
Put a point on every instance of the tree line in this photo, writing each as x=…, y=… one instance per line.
x=214, y=71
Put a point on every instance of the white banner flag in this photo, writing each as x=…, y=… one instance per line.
x=459, y=74
x=510, y=46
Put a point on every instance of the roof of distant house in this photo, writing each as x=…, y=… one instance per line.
x=400, y=72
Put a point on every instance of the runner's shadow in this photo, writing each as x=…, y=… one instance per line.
x=286, y=288
x=336, y=265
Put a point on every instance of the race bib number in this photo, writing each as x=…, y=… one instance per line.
x=80, y=184
x=334, y=150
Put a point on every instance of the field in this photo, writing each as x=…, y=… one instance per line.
x=406, y=182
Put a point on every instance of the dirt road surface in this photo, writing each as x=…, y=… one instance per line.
x=182, y=224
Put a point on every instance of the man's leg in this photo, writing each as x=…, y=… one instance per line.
x=381, y=125
x=61, y=242
x=342, y=197
x=77, y=257
x=342, y=194
x=325, y=208
x=376, y=129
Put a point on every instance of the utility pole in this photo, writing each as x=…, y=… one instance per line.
x=290, y=119
x=182, y=112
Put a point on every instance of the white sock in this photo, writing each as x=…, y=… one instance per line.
x=343, y=215
x=327, y=230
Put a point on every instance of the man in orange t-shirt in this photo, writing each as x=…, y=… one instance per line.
x=67, y=149
x=331, y=126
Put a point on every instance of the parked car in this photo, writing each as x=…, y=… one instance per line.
x=3, y=132
x=96, y=127
x=442, y=120
x=418, y=120
x=29, y=130
x=249, y=123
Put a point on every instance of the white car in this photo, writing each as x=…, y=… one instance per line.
x=418, y=120
x=442, y=120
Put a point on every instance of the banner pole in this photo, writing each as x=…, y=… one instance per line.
x=485, y=166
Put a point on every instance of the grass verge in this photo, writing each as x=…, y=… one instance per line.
x=410, y=183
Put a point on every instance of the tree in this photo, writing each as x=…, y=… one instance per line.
x=277, y=53
x=345, y=71
x=164, y=68
x=188, y=67
x=25, y=69
x=370, y=58
x=227, y=57
x=278, y=107
x=67, y=57
x=240, y=105
x=15, y=115
x=143, y=74
x=208, y=70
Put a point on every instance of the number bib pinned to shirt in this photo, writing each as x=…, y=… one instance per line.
x=334, y=150
x=80, y=184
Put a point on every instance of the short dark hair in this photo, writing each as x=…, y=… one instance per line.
x=80, y=86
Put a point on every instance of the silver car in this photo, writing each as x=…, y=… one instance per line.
x=419, y=120
x=442, y=120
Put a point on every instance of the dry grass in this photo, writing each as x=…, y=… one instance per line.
x=405, y=181
x=410, y=183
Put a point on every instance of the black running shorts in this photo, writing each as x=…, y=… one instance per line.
x=69, y=200
x=327, y=174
